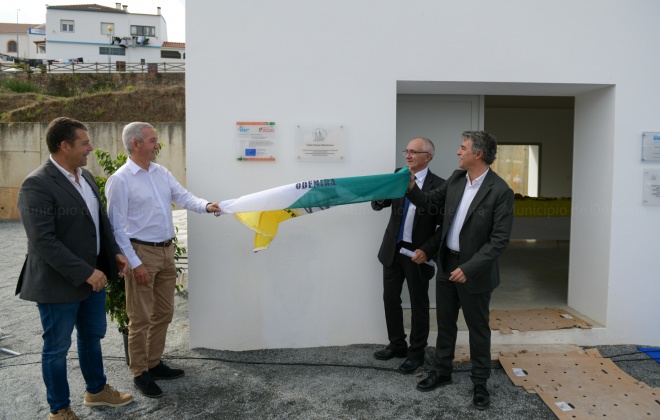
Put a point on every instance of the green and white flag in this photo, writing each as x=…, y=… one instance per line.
x=263, y=211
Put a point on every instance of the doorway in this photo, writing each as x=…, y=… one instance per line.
x=537, y=130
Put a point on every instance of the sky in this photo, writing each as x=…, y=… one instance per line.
x=34, y=11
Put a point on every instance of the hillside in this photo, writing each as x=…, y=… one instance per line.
x=93, y=98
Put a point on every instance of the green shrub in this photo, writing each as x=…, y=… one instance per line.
x=20, y=86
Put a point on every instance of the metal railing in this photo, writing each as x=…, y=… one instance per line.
x=116, y=67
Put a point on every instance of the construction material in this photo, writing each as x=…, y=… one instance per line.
x=582, y=385
x=534, y=320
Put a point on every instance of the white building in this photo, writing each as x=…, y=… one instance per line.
x=91, y=33
x=362, y=64
x=23, y=40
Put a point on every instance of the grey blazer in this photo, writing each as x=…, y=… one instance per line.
x=486, y=229
x=61, y=238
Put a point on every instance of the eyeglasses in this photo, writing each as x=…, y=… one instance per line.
x=413, y=152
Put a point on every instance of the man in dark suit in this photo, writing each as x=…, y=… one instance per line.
x=478, y=213
x=410, y=228
x=71, y=255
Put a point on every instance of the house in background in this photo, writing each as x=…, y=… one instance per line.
x=22, y=40
x=94, y=33
x=174, y=50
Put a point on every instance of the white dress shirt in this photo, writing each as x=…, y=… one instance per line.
x=88, y=195
x=471, y=188
x=410, y=216
x=140, y=205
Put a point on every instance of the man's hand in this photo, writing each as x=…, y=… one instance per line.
x=214, y=208
x=140, y=274
x=457, y=276
x=419, y=257
x=122, y=264
x=412, y=181
x=97, y=280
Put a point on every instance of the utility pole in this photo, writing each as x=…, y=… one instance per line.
x=110, y=28
x=17, y=10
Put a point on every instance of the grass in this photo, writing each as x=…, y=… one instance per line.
x=20, y=86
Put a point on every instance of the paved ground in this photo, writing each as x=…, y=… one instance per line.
x=315, y=383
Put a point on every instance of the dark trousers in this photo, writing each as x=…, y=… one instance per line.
x=417, y=277
x=450, y=297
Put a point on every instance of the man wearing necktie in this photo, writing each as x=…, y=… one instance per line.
x=415, y=229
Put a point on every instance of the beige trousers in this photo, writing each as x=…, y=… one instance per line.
x=150, y=307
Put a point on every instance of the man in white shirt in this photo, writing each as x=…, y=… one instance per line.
x=415, y=230
x=140, y=196
x=477, y=206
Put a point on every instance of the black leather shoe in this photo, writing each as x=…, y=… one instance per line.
x=162, y=371
x=410, y=366
x=146, y=385
x=387, y=353
x=432, y=381
x=481, y=397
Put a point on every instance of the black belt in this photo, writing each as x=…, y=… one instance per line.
x=160, y=244
x=453, y=253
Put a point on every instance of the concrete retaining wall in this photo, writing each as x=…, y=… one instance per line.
x=23, y=148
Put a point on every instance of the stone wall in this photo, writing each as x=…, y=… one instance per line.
x=74, y=84
x=23, y=148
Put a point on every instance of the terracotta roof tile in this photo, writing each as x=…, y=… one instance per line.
x=174, y=44
x=10, y=28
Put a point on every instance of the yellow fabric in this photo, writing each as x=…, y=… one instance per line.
x=542, y=208
x=265, y=223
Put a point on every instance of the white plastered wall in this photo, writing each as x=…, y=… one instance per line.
x=343, y=61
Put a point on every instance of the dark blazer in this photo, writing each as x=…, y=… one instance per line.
x=61, y=238
x=486, y=230
x=424, y=224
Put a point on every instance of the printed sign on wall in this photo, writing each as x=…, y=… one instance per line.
x=320, y=142
x=651, y=147
x=256, y=141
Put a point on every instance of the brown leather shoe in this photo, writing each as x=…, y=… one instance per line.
x=108, y=396
x=63, y=414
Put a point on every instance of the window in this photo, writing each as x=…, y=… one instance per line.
x=112, y=51
x=143, y=30
x=66, y=25
x=11, y=46
x=170, y=54
x=41, y=48
x=518, y=165
x=105, y=28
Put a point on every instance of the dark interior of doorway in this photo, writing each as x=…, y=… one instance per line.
x=534, y=272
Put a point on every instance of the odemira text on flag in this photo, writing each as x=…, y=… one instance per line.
x=263, y=211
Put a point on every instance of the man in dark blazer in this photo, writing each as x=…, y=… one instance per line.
x=71, y=256
x=478, y=213
x=410, y=228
